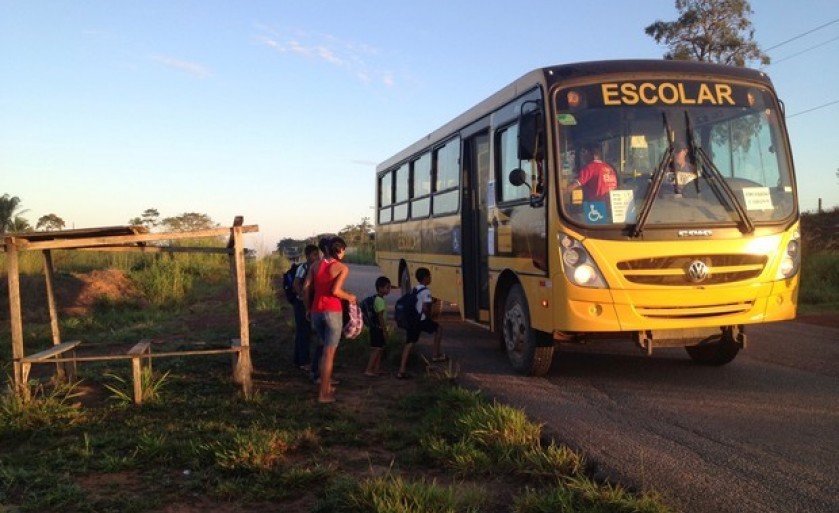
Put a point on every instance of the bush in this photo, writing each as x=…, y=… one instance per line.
x=820, y=279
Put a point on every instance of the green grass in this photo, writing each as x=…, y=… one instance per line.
x=820, y=279
x=87, y=448
x=395, y=494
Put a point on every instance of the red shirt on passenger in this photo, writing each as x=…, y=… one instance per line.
x=324, y=300
x=597, y=179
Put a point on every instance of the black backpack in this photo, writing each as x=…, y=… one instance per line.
x=368, y=313
x=288, y=282
x=405, y=312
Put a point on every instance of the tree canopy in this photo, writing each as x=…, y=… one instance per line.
x=50, y=223
x=718, y=31
x=187, y=222
x=10, y=213
x=149, y=219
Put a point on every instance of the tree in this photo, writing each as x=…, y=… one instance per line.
x=49, y=223
x=148, y=219
x=20, y=225
x=9, y=212
x=187, y=222
x=717, y=31
x=357, y=234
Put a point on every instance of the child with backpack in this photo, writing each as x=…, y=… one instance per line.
x=294, y=293
x=415, y=325
x=374, y=311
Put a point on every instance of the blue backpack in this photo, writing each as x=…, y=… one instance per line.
x=288, y=282
x=368, y=312
x=406, y=314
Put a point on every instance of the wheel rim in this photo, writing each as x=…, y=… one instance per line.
x=405, y=281
x=515, y=329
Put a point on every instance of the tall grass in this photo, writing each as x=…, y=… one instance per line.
x=163, y=280
x=45, y=407
x=395, y=494
x=32, y=262
x=263, y=284
x=585, y=496
x=820, y=279
x=473, y=437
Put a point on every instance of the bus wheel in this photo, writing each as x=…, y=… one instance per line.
x=714, y=351
x=405, y=281
x=520, y=339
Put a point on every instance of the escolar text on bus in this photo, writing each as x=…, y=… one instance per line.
x=668, y=93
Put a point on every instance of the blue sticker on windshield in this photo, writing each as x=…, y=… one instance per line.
x=596, y=212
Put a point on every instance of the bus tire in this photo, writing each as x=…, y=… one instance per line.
x=520, y=339
x=716, y=351
x=405, y=281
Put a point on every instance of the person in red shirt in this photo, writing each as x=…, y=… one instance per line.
x=326, y=279
x=597, y=178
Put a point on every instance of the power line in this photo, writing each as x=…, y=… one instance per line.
x=804, y=51
x=801, y=35
x=828, y=104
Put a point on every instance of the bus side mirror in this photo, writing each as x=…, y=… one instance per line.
x=531, y=135
x=518, y=177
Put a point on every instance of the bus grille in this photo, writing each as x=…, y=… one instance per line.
x=693, y=312
x=673, y=270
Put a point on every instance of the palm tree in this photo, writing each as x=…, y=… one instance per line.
x=20, y=225
x=8, y=212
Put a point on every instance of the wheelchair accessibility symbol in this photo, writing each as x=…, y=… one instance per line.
x=595, y=212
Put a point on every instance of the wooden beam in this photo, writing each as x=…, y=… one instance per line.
x=49, y=277
x=140, y=348
x=16, y=320
x=67, y=366
x=126, y=356
x=157, y=249
x=244, y=366
x=52, y=351
x=24, y=245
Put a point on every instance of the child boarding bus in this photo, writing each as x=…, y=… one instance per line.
x=682, y=230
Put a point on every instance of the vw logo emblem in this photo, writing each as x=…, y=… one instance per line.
x=698, y=271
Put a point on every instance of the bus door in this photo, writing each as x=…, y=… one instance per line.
x=476, y=158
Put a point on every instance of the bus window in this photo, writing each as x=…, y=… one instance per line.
x=447, y=178
x=400, y=209
x=385, y=197
x=507, y=155
x=421, y=190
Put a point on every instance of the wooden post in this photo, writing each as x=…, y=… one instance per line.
x=49, y=276
x=15, y=317
x=137, y=352
x=244, y=367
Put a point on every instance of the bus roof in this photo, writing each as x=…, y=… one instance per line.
x=552, y=75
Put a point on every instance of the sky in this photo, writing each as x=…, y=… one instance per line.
x=279, y=111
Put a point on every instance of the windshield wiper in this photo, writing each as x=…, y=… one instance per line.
x=716, y=179
x=656, y=180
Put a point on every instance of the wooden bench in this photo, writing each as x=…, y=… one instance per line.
x=44, y=357
x=141, y=349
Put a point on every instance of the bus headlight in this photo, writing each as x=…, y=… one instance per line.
x=791, y=259
x=579, y=267
x=571, y=257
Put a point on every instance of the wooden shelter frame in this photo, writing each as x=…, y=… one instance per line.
x=120, y=238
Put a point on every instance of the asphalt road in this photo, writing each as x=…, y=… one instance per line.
x=759, y=434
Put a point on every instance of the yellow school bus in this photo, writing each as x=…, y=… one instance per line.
x=685, y=232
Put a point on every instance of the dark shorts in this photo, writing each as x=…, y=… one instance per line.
x=425, y=326
x=377, y=338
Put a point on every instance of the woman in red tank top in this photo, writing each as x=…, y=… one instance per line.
x=326, y=278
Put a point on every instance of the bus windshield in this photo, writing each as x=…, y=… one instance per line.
x=671, y=153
